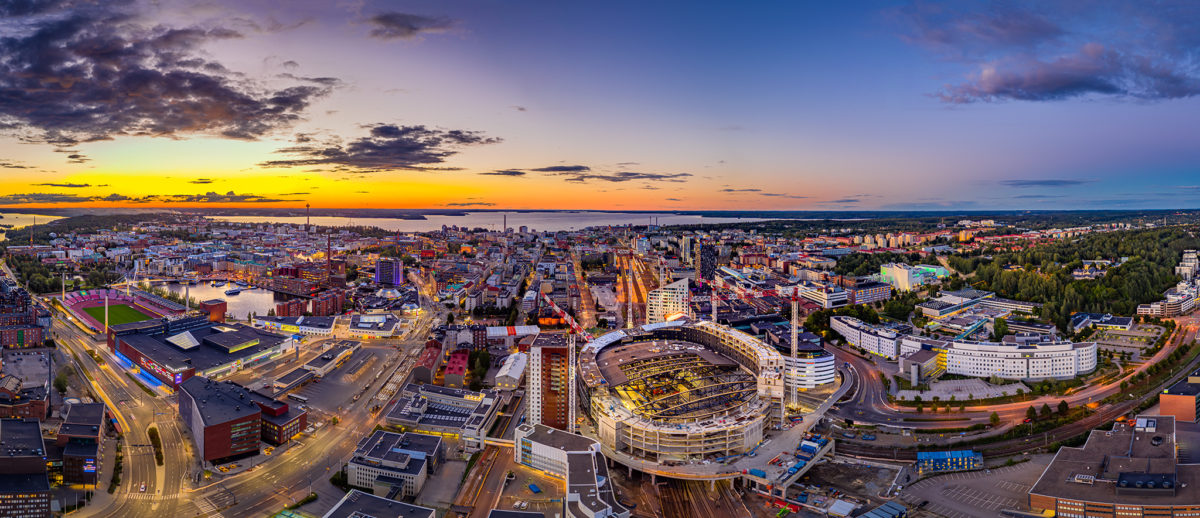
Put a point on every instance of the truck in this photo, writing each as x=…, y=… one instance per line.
x=535, y=489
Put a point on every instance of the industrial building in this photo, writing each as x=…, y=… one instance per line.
x=227, y=421
x=1132, y=470
x=172, y=351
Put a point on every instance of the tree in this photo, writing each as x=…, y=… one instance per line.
x=1046, y=411
x=1063, y=407
x=450, y=319
x=1000, y=327
x=61, y=382
x=994, y=419
x=1031, y=413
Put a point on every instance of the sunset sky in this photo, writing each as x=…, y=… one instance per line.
x=612, y=105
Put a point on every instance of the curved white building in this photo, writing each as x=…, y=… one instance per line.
x=1018, y=357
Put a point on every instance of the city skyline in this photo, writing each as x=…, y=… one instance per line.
x=537, y=105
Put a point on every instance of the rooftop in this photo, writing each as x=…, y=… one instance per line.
x=357, y=504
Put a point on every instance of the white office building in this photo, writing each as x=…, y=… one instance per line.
x=672, y=299
x=874, y=339
x=577, y=461
x=1018, y=357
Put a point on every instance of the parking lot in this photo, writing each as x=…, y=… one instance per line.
x=977, y=493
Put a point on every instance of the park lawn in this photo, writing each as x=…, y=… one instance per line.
x=117, y=314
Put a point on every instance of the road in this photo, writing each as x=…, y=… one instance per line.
x=260, y=491
x=870, y=405
x=137, y=410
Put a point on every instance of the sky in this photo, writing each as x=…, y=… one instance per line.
x=615, y=106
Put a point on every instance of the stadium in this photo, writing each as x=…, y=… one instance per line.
x=88, y=307
x=681, y=391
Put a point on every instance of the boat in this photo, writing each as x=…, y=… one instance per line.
x=218, y=284
x=233, y=291
x=242, y=283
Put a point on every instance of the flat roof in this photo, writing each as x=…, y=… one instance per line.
x=213, y=350
x=219, y=401
x=1092, y=473
x=21, y=438
x=357, y=504
x=559, y=439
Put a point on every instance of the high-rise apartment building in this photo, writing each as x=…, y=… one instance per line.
x=549, y=385
x=668, y=300
x=706, y=262
x=389, y=271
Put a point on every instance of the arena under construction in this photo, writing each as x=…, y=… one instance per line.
x=683, y=391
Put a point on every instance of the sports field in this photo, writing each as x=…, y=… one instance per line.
x=117, y=314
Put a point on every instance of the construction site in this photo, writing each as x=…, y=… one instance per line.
x=681, y=392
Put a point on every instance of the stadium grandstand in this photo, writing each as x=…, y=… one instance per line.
x=88, y=307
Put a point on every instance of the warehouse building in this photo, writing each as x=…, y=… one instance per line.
x=227, y=421
x=172, y=351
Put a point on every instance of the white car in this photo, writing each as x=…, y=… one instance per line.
x=143, y=489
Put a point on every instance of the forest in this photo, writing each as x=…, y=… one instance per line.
x=1043, y=274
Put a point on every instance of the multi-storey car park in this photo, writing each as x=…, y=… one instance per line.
x=682, y=391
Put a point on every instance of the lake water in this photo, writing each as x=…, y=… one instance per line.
x=259, y=301
x=552, y=221
x=22, y=220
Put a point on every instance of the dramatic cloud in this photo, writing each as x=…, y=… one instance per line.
x=563, y=169
x=67, y=185
x=1094, y=69
x=628, y=176
x=504, y=172
x=741, y=190
x=93, y=72
x=202, y=181
x=1044, y=183
x=846, y=200
x=387, y=148
x=392, y=26
x=1043, y=52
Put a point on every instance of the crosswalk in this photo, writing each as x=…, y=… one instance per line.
x=207, y=508
x=152, y=496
